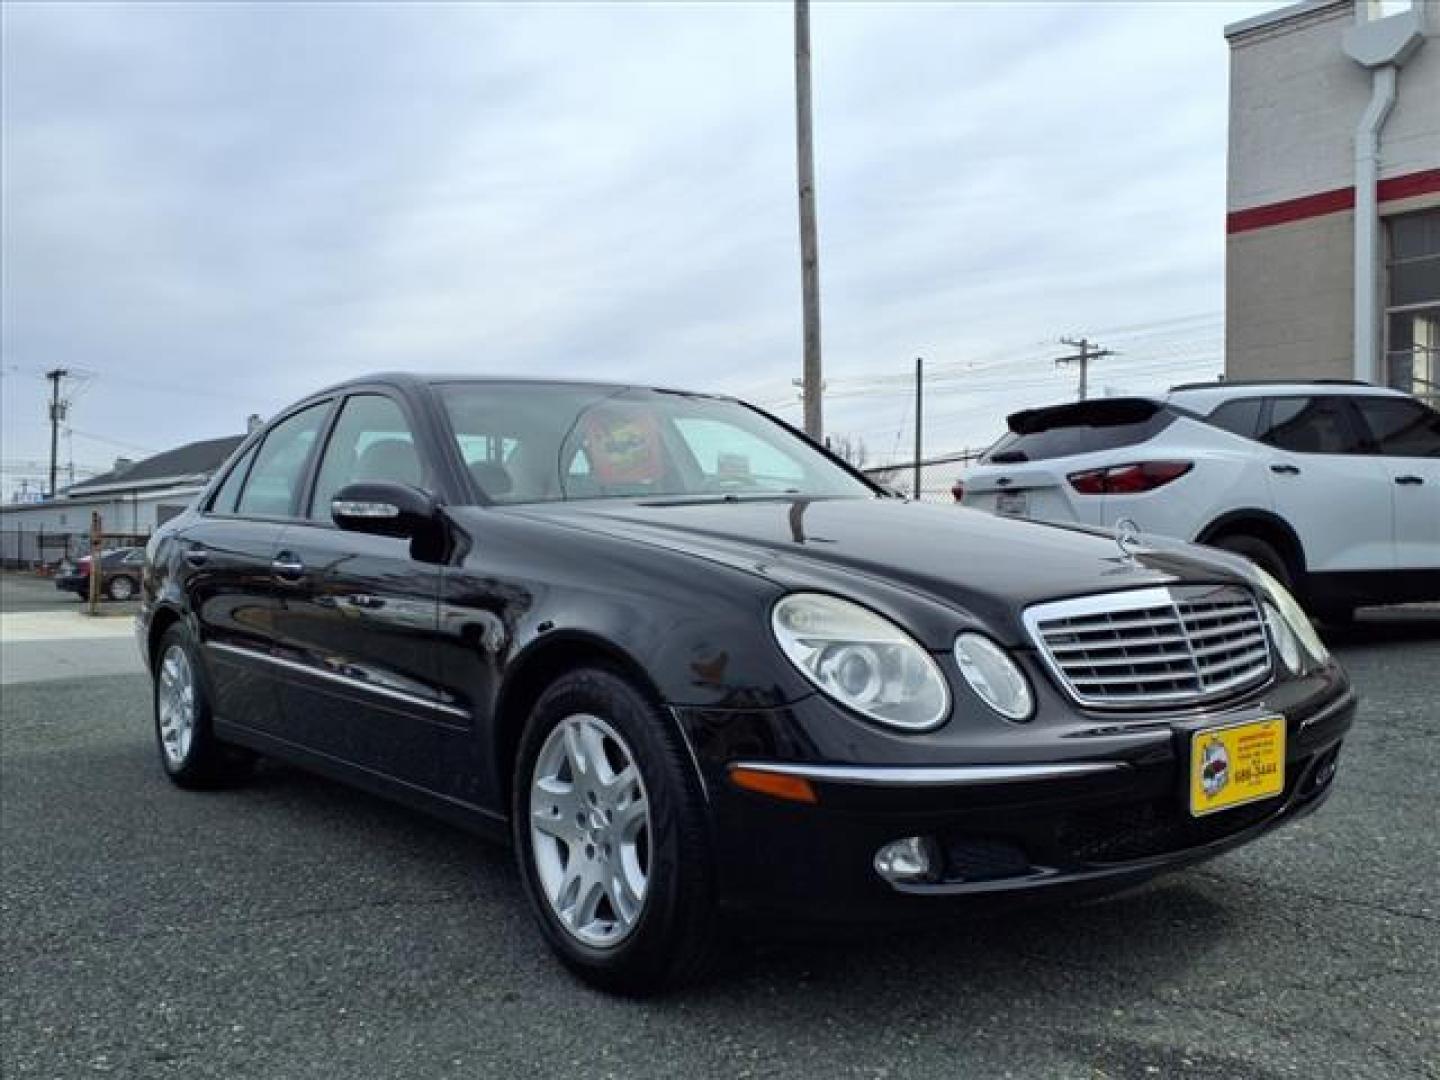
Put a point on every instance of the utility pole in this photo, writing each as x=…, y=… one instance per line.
x=919, y=418
x=809, y=244
x=1087, y=353
x=57, y=414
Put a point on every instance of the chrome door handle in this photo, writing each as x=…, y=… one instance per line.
x=287, y=567
x=1409, y=479
x=1287, y=470
x=364, y=601
x=196, y=555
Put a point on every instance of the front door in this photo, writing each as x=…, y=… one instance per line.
x=1406, y=435
x=359, y=625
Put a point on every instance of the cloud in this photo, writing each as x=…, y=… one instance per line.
x=218, y=207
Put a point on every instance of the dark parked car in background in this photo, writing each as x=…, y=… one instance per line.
x=120, y=571
x=693, y=666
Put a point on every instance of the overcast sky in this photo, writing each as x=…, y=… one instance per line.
x=215, y=208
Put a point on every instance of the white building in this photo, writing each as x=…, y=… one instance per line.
x=131, y=499
x=1333, y=250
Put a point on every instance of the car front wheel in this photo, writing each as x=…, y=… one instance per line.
x=611, y=838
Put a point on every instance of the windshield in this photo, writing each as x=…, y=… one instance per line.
x=526, y=442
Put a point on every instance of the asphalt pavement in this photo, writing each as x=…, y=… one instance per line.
x=293, y=928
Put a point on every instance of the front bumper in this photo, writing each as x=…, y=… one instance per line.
x=1098, y=811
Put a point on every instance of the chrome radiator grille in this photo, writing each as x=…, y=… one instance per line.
x=1161, y=646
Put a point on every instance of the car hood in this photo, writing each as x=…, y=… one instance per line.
x=899, y=555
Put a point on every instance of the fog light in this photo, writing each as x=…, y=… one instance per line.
x=904, y=860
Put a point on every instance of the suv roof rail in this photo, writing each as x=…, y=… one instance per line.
x=1217, y=383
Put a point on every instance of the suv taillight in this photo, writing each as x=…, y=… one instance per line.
x=957, y=490
x=1128, y=479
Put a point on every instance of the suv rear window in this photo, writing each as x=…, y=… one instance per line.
x=1311, y=425
x=1080, y=428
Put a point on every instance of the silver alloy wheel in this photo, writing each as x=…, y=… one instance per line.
x=176, y=705
x=590, y=830
x=121, y=589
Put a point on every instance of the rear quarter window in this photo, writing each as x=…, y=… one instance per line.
x=1239, y=417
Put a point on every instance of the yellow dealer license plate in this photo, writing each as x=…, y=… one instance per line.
x=1236, y=764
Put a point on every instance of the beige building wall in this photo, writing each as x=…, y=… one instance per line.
x=1288, y=307
x=1295, y=101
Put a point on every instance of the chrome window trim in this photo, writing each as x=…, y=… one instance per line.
x=344, y=680
x=932, y=775
x=1113, y=603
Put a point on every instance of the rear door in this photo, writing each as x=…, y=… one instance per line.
x=1334, y=494
x=358, y=628
x=1406, y=436
x=228, y=552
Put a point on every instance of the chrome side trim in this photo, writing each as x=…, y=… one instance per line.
x=932, y=775
x=344, y=680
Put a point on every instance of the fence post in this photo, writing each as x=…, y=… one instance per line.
x=96, y=537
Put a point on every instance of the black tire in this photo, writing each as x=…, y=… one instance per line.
x=202, y=761
x=121, y=587
x=1260, y=553
x=674, y=935
x=1336, y=614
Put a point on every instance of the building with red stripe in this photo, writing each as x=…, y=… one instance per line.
x=1333, y=194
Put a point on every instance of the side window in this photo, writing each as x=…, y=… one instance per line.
x=1239, y=417
x=372, y=441
x=1401, y=428
x=1311, y=425
x=279, y=466
x=224, y=501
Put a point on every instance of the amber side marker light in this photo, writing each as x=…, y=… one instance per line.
x=791, y=788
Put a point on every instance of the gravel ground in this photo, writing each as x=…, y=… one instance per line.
x=294, y=928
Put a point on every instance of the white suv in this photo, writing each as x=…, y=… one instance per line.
x=1332, y=487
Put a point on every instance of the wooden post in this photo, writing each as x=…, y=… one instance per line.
x=809, y=245
x=919, y=420
x=97, y=536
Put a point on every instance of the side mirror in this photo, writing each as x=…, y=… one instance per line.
x=384, y=509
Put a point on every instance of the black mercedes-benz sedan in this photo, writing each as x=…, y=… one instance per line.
x=692, y=665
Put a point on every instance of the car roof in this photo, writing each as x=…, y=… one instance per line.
x=415, y=380
x=1203, y=397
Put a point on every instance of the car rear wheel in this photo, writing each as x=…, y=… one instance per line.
x=1260, y=553
x=120, y=587
x=184, y=733
x=611, y=836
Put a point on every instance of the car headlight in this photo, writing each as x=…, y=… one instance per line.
x=1286, y=643
x=862, y=660
x=994, y=676
x=1294, y=617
